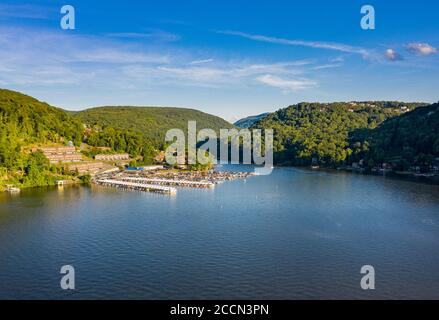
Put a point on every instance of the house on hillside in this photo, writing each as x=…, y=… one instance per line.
x=112, y=157
x=88, y=167
x=61, y=154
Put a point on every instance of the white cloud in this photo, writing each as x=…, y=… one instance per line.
x=156, y=35
x=227, y=74
x=327, y=66
x=41, y=57
x=110, y=55
x=338, y=59
x=201, y=61
x=44, y=57
x=287, y=84
x=195, y=73
x=392, y=55
x=313, y=44
x=25, y=11
x=421, y=48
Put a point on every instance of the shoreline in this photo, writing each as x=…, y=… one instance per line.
x=398, y=175
x=216, y=177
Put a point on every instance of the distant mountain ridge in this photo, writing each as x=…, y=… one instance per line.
x=249, y=121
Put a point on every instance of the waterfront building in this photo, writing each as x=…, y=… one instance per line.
x=112, y=157
x=61, y=154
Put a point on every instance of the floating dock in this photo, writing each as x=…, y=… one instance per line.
x=136, y=186
x=170, y=182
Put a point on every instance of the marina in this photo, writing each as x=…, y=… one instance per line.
x=171, y=182
x=136, y=186
x=212, y=176
x=166, y=181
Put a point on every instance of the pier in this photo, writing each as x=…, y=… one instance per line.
x=136, y=186
x=170, y=182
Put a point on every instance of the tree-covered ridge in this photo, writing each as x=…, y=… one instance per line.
x=121, y=140
x=249, y=121
x=24, y=121
x=151, y=123
x=403, y=134
x=28, y=120
x=411, y=139
x=323, y=133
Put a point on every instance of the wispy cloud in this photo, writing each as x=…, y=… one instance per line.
x=287, y=84
x=117, y=56
x=392, y=55
x=156, y=35
x=195, y=74
x=233, y=74
x=201, y=61
x=42, y=57
x=313, y=44
x=421, y=48
x=45, y=58
x=327, y=66
x=25, y=11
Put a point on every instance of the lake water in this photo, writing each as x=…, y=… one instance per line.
x=294, y=234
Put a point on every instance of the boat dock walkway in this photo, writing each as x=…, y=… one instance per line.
x=170, y=182
x=136, y=186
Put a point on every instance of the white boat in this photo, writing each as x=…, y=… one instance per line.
x=12, y=189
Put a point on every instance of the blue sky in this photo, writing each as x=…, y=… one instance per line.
x=228, y=58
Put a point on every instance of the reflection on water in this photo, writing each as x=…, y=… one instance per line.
x=292, y=234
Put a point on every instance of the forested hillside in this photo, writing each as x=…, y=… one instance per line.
x=24, y=121
x=407, y=140
x=151, y=123
x=249, y=121
x=404, y=134
x=328, y=134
